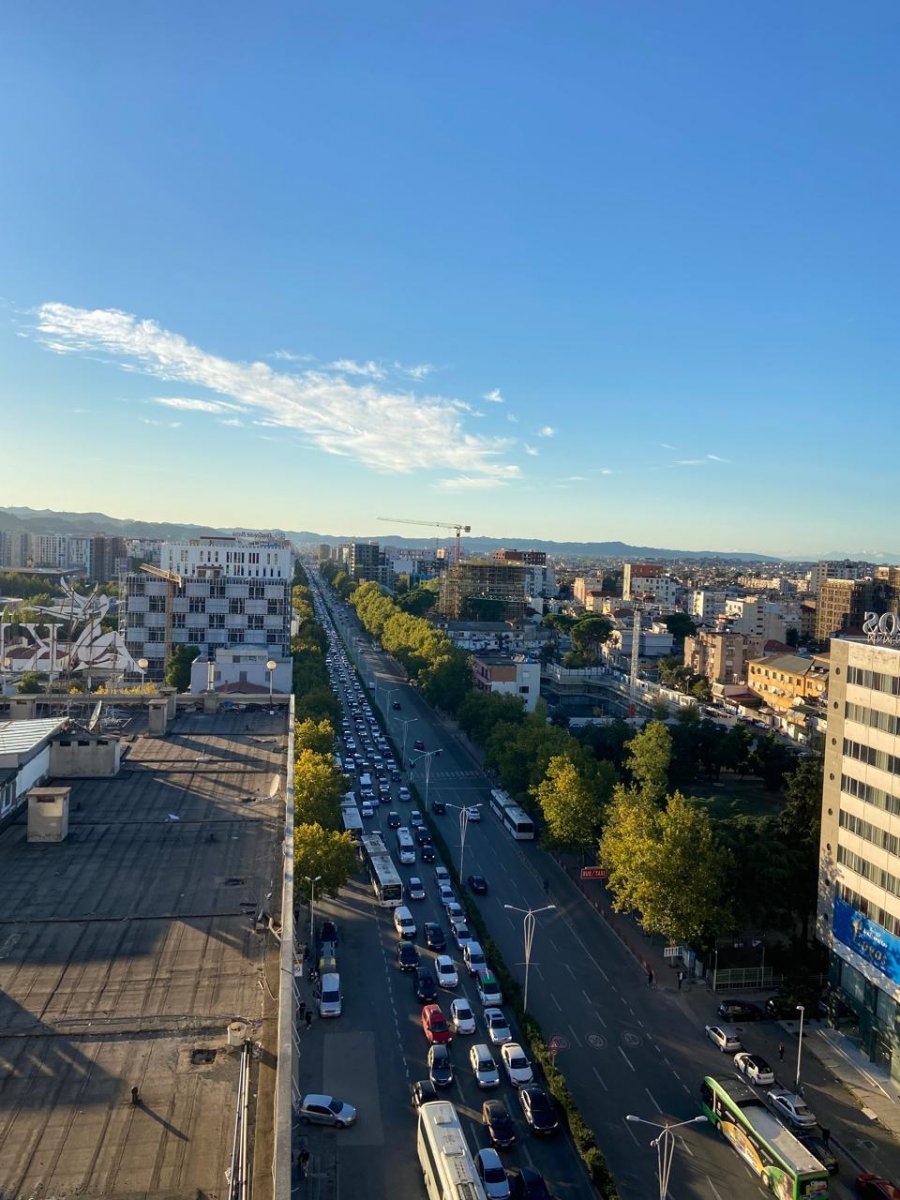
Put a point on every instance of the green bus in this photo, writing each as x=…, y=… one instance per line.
x=783, y=1165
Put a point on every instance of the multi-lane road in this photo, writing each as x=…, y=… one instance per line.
x=626, y=1048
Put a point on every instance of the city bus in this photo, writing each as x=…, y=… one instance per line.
x=351, y=820
x=515, y=820
x=386, y=882
x=444, y=1156
x=772, y=1152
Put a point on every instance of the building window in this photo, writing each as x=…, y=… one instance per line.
x=217, y=621
x=236, y=607
x=179, y=620
x=197, y=604
x=197, y=635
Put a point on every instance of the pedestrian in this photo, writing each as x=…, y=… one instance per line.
x=826, y=1135
x=680, y=979
x=303, y=1163
x=546, y=887
x=308, y=1018
x=302, y=1009
x=650, y=977
x=135, y=1096
x=781, y=1051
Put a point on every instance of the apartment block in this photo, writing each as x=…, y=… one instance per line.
x=641, y=580
x=105, y=558
x=841, y=605
x=214, y=593
x=485, y=590
x=718, y=654
x=510, y=676
x=707, y=605
x=837, y=569
x=784, y=680
x=757, y=617
x=859, y=871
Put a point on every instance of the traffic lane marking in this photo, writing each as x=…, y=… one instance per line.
x=627, y=1059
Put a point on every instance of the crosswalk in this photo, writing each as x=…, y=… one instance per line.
x=448, y=775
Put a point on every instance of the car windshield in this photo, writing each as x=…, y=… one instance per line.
x=801, y=1110
x=518, y=1060
x=463, y=1010
x=494, y=1175
x=438, y=1024
x=336, y=1105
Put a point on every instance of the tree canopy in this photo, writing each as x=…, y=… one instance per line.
x=178, y=668
x=324, y=853
x=318, y=787
x=315, y=736
x=572, y=802
x=649, y=755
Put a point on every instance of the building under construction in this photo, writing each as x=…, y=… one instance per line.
x=486, y=591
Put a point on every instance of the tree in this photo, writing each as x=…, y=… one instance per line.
x=447, y=681
x=32, y=682
x=701, y=689
x=771, y=760
x=589, y=634
x=178, y=668
x=680, y=625
x=318, y=788
x=419, y=600
x=480, y=712
x=649, y=755
x=571, y=806
x=735, y=748
x=324, y=853
x=667, y=866
x=799, y=825
x=316, y=736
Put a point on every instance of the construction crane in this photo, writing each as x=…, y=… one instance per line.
x=457, y=526
x=173, y=581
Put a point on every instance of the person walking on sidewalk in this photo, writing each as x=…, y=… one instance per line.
x=781, y=1051
x=650, y=977
x=680, y=979
x=308, y=1018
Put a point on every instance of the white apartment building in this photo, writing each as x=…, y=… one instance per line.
x=516, y=675
x=655, y=642
x=838, y=569
x=640, y=580
x=707, y=605
x=859, y=868
x=221, y=592
x=756, y=617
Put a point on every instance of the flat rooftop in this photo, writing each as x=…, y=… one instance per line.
x=125, y=954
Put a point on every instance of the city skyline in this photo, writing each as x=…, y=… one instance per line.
x=580, y=276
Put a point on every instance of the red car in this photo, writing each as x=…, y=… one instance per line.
x=434, y=1024
x=873, y=1187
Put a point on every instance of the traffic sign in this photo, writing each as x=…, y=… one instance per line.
x=557, y=1043
x=594, y=873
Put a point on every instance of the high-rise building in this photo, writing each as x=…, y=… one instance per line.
x=837, y=569
x=366, y=560
x=531, y=558
x=859, y=867
x=841, y=605
x=13, y=549
x=489, y=591
x=106, y=557
x=212, y=592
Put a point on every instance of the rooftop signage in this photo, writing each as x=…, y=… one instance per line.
x=882, y=629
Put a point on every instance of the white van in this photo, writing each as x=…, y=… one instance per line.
x=365, y=780
x=330, y=998
x=404, y=922
x=406, y=846
x=473, y=956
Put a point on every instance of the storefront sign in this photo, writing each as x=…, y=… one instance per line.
x=883, y=629
x=867, y=939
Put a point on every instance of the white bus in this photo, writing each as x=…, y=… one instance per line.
x=386, y=882
x=351, y=820
x=444, y=1156
x=406, y=846
x=514, y=819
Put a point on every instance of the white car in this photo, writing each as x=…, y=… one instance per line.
x=497, y=1026
x=518, y=1068
x=367, y=811
x=442, y=875
x=492, y=1174
x=792, y=1107
x=483, y=1066
x=462, y=1019
x=755, y=1068
x=461, y=933
x=404, y=793
x=445, y=972
x=455, y=912
x=415, y=818
x=446, y=894
x=414, y=889
x=474, y=814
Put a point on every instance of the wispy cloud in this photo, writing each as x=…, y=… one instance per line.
x=717, y=458
x=493, y=396
x=532, y=450
x=289, y=356
x=396, y=432
x=698, y=462
x=574, y=478
x=667, y=446
x=512, y=418
x=349, y=366
x=547, y=431
x=603, y=471
x=460, y=483
x=417, y=371
x=232, y=421
x=190, y=404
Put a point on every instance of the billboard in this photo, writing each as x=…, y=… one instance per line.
x=867, y=939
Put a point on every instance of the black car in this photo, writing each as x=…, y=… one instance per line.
x=434, y=937
x=425, y=985
x=477, y=885
x=499, y=1124
x=820, y=1150
x=423, y=837
x=438, y=807
x=739, y=1010
x=428, y=853
x=440, y=1068
x=423, y=1091
x=418, y=744
x=537, y=1108
x=396, y=706
x=407, y=956
x=393, y=819
x=396, y=776
x=525, y=1184
x=327, y=932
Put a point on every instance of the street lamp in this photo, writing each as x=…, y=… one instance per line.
x=406, y=724
x=801, y=1009
x=428, y=755
x=312, y=909
x=271, y=664
x=142, y=665
x=665, y=1147
x=528, y=925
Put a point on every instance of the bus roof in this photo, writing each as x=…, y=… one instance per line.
x=767, y=1125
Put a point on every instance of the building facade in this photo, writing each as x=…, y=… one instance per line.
x=837, y=569
x=785, y=680
x=756, y=617
x=640, y=580
x=859, y=863
x=841, y=605
x=718, y=654
x=509, y=676
x=485, y=590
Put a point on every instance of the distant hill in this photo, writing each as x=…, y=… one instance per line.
x=45, y=520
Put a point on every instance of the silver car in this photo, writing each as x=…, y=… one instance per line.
x=326, y=1110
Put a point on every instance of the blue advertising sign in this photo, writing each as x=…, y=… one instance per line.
x=868, y=939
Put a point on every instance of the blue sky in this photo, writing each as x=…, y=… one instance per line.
x=583, y=270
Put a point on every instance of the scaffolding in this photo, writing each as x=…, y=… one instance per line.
x=465, y=584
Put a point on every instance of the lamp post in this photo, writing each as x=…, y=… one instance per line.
x=271, y=664
x=406, y=724
x=312, y=909
x=665, y=1147
x=428, y=755
x=463, y=811
x=142, y=665
x=528, y=926
x=801, y=1009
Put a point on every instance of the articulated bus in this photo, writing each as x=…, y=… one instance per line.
x=444, y=1156
x=515, y=820
x=782, y=1164
x=386, y=882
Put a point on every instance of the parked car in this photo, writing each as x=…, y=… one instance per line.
x=819, y=1148
x=440, y=1068
x=434, y=1024
x=725, y=1037
x=477, y=885
x=326, y=1110
x=538, y=1110
x=499, y=1124
x=462, y=1019
x=483, y=1066
x=518, y=1068
x=873, y=1187
x=755, y=1068
x=792, y=1107
x=739, y=1010
x=492, y=1174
